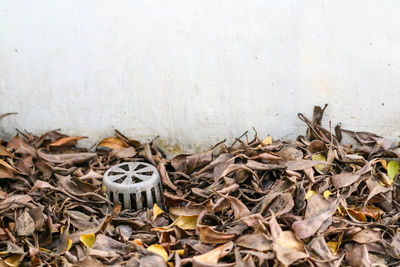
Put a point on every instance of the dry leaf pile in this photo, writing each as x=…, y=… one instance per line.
x=307, y=202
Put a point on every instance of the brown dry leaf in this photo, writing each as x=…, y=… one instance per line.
x=147, y=154
x=236, y=168
x=25, y=225
x=113, y=143
x=316, y=146
x=128, y=152
x=257, y=241
x=308, y=227
x=164, y=175
x=211, y=236
x=288, y=239
x=213, y=256
x=358, y=256
x=290, y=154
x=5, y=172
x=4, y=152
x=357, y=215
x=67, y=159
x=344, y=179
x=239, y=209
x=367, y=236
x=175, y=212
x=9, y=167
x=255, y=165
x=318, y=247
x=286, y=246
x=19, y=145
x=303, y=164
x=67, y=141
x=189, y=163
x=88, y=261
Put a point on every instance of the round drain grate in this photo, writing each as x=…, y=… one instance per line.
x=134, y=185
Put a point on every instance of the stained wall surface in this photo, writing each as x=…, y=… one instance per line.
x=196, y=72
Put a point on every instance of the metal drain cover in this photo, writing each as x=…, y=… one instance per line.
x=134, y=185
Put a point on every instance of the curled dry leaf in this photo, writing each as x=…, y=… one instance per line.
x=308, y=227
x=156, y=211
x=113, y=143
x=214, y=255
x=303, y=164
x=257, y=241
x=211, y=236
x=67, y=141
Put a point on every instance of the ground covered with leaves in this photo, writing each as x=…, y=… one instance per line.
x=313, y=201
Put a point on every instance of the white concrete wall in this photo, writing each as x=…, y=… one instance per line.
x=195, y=72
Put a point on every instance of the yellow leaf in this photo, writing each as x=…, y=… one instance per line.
x=44, y=250
x=62, y=229
x=69, y=244
x=333, y=246
x=384, y=163
x=14, y=260
x=186, y=222
x=180, y=251
x=310, y=193
x=393, y=168
x=160, y=250
x=327, y=194
x=339, y=209
x=267, y=141
x=88, y=239
x=319, y=157
x=156, y=211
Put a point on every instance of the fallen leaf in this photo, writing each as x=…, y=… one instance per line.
x=393, y=169
x=358, y=256
x=14, y=260
x=308, y=227
x=112, y=143
x=25, y=225
x=344, y=179
x=327, y=194
x=303, y=164
x=67, y=141
x=156, y=211
x=267, y=141
x=319, y=157
x=333, y=246
x=186, y=222
x=160, y=250
x=214, y=255
x=211, y=236
x=257, y=241
x=88, y=239
x=367, y=236
x=309, y=194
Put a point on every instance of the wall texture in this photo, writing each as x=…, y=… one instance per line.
x=196, y=72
